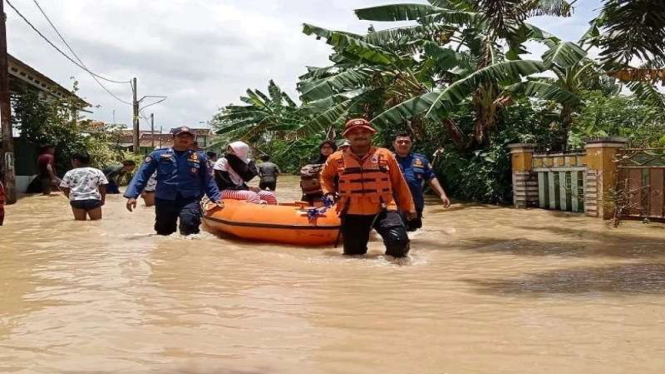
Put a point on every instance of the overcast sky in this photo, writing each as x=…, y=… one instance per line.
x=202, y=54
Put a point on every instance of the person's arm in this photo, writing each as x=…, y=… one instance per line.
x=435, y=185
x=327, y=177
x=260, y=171
x=64, y=184
x=51, y=172
x=120, y=178
x=102, y=186
x=209, y=184
x=102, y=192
x=401, y=188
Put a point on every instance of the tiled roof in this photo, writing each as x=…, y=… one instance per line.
x=146, y=140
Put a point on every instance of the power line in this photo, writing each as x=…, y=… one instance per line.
x=155, y=103
x=142, y=115
x=59, y=50
x=76, y=56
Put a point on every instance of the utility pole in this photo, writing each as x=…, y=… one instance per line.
x=160, y=136
x=7, y=154
x=136, y=118
x=152, y=129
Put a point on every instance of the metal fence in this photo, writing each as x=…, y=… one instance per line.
x=641, y=179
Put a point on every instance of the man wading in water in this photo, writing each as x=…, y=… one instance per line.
x=183, y=175
x=371, y=188
x=416, y=169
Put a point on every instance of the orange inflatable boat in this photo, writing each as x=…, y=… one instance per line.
x=283, y=223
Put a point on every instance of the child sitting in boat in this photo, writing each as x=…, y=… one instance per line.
x=233, y=171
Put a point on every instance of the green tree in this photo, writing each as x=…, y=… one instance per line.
x=264, y=118
x=619, y=115
x=56, y=121
x=455, y=55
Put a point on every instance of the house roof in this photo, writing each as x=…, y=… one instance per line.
x=24, y=72
x=146, y=140
x=145, y=137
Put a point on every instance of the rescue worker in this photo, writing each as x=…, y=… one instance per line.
x=416, y=169
x=183, y=176
x=371, y=189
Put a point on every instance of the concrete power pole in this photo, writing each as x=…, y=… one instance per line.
x=7, y=154
x=136, y=118
x=152, y=129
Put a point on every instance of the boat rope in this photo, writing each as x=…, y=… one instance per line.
x=313, y=213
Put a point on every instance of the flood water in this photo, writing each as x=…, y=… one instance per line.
x=485, y=290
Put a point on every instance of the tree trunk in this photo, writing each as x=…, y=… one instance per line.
x=566, y=124
x=454, y=132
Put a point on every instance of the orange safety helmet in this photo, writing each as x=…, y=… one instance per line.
x=355, y=123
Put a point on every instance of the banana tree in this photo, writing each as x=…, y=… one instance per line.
x=482, y=28
x=264, y=117
x=370, y=72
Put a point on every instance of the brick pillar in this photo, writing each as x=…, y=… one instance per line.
x=601, y=161
x=525, y=181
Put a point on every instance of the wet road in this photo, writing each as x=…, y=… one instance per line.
x=485, y=290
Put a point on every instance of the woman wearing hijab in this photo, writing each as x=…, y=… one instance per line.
x=326, y=148
x=309, y=174
x=233, y=171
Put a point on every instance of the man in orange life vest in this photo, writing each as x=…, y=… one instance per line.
x=371, y=189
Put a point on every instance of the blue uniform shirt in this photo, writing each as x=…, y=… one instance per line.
x=189, y=175
x=416, y=169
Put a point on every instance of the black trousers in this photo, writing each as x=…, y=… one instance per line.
x=388, y=224
x=167, y=213
x=268, y=185
x=417, y=223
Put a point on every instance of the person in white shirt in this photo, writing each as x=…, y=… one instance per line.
x=86, y=188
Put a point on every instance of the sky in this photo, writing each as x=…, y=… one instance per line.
x=201, y=54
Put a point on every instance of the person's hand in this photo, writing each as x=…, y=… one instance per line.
x=131, y=204
x=332, y=197
x=446, y=201
x=214, y=205
x=410, y=216
x=255, y=189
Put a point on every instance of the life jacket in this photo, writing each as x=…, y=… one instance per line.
x=364, y=183
x=309, y=179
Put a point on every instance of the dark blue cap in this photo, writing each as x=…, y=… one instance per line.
x=181, y=130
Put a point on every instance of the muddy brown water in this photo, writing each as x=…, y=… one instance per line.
x=485, y=290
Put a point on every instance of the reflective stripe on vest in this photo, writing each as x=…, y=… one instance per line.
x=370, y=180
